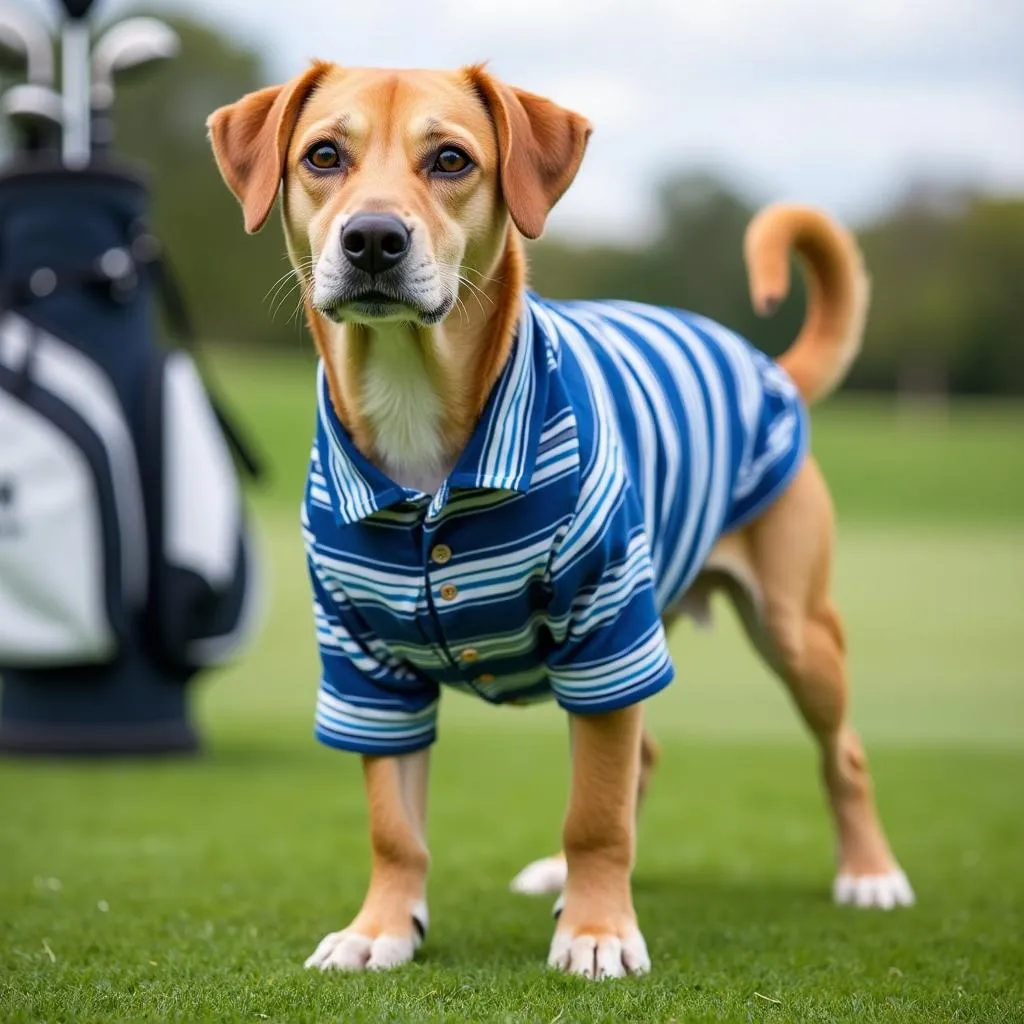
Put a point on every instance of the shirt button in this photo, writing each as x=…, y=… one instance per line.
x=449, y=592
x=470, y=654
x=485, y=678
x=442, y=554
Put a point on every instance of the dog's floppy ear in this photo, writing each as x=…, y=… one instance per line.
x=540, y=148
x=250, y=142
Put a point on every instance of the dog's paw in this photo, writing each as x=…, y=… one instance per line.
x=882, y=892
x=348, y=950
x=599, y=956
x=544, y=877
x=354, y=950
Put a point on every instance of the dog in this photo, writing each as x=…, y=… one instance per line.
x=514, y=497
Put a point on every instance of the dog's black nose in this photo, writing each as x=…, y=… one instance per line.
x=375, y=242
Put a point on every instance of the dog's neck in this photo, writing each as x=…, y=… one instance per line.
x=411, y=396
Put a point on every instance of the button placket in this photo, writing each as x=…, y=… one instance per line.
x=437, y=555
x=441, y=554
x=434, y=556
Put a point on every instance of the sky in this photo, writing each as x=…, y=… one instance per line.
x=838, y=103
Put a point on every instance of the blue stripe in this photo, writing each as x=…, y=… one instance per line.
x=619, y=443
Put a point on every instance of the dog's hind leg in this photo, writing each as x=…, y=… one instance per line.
x=794, y=624
x=546, y=877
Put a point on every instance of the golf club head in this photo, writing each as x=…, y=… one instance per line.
x=37, y=114
x=25, y=45
x=124, y=50
x=37, y=100
x=129, y=47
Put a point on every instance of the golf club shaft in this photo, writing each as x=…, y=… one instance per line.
x=76, y=81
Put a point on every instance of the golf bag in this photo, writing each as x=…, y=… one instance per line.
x=126, y=562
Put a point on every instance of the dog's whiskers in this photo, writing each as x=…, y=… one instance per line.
x=482, y=276
x=475, y=290
x=477, y=293
x=305, y=296
x=285, y=296
x=280, y=292
x=275, y=288
x=461, y=307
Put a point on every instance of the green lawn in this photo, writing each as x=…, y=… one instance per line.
x=193, y=890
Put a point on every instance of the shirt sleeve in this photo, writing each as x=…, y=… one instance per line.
x=368, y=701
x=610, y=648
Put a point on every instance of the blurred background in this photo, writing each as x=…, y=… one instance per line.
x=904, y=119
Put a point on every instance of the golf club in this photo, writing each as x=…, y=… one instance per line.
x=75, y=78
x=37, y=112
x=25, y=44
x=127, y=48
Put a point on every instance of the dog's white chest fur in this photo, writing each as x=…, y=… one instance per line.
x=404, y=411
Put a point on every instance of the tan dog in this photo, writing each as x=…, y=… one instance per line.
x=445, y=171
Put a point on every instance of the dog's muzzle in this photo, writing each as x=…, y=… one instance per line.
x=376, y=274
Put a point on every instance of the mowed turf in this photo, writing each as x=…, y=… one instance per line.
x=192, y=890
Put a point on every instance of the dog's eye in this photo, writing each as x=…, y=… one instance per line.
x=324, y=156
x=451, y=161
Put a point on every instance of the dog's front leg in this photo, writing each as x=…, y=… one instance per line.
x=597, y=934
x=393, y=920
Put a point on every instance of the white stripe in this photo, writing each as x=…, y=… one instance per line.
x=706, y=464
x=645, y=392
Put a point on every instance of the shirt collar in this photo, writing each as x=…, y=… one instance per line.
x=500, y=455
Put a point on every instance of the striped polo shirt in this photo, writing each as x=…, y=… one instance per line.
x=619, y=443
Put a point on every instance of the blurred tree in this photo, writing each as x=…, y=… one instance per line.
x=161, y=124
x=947, y=283
x=990, y=266
x=948, y=297
x=947, y=268
x=695, y=261
x=917, y=316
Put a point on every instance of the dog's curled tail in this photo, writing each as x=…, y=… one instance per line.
x=838, y=291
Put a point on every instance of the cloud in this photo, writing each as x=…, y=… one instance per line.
x=825, y=100
x=851, y=151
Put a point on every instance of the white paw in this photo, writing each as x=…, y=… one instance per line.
x=350, y=951
x=599, y=958
x=866, y=891
x=543, y=877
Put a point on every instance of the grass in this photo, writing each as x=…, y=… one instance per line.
x=192, y=890
x=219, y=876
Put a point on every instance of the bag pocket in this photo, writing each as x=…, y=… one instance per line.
x=73, y=546
x=206, y=593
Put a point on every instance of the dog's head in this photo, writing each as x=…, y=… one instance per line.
x=396, y=184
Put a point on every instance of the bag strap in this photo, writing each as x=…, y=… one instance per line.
x=149, y=253
x=23, y=371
